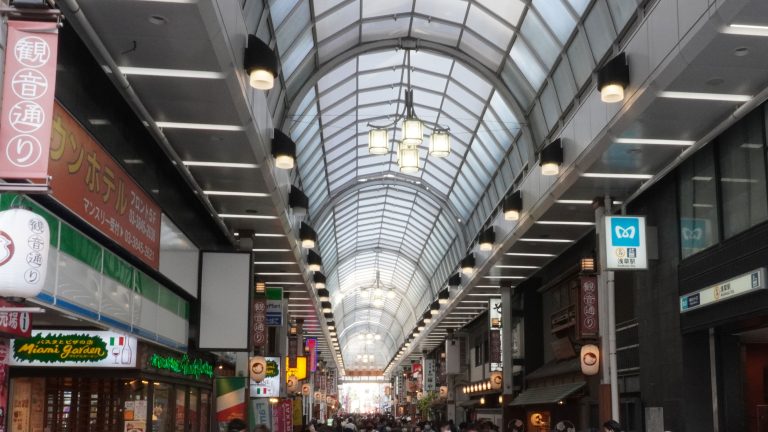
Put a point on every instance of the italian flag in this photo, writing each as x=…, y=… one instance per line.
x=230, y=398
x=120, y=340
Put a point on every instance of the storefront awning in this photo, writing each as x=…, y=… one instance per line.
x=546, y=395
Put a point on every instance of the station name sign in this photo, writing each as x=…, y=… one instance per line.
x=746, y=283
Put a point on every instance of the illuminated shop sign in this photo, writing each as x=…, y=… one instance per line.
x=74, y=349
x=744, y=284
x=183, y=365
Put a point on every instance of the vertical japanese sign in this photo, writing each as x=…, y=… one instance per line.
x=259, y=322
x=14, y=324
x=282, y=416
x=333, y=382
x=88, y=181
x=430, y=375
x=274, y=306
x=494, y=333
x=28, y=88
x=588, y=317
x=311, y=348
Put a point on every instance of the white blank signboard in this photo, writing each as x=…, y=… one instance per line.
x=224, y=288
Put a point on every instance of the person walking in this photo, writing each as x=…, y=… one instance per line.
x=612, y=426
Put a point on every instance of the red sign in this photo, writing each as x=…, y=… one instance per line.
x=311, y=346
x=30, y=80
x=282, y=416
x=14, y=324
x=588, y=318
x=259, y=322
x=494, y=337
x=87, y=180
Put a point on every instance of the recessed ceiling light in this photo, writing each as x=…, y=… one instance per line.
x=171, y=73
x=271, y=250
x=278, y=274
x=752, y=146
x=198, y=126
x=545, y=240
x=536, y=255
x=133, y=161
x=579, y=223
x=241, y=194
x=582, y=202
x=618, y=176
x=245, y=216
x=722, y=97
x=504, y=277
x=273, y=262
x=648, y=141
x=701, y=178
x=219, y=164
x=158, y=19
x=516, y=266
x=746, y=30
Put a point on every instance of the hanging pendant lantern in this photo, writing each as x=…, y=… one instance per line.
x=440, y=143
x=378, y=141
x=409, y=159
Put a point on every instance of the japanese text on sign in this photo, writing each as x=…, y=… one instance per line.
x=30, y=77
x=90, y=183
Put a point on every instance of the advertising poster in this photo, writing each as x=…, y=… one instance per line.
x=230, y=400
x=274, y=307
x=270, y=385
x=261, y=413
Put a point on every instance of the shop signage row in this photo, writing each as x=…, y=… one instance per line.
x=74, y=349
x=740, y=285
x=183, y=366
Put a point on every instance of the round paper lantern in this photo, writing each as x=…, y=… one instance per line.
x=496, y=380
x=318, y=396
x=293, y=384
x=590, y=359
x=24, y=243
x=443, y=392
x=258, y=367
x=305, y=389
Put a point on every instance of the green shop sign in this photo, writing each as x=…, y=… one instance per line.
x=74, y=349
x=183, y=366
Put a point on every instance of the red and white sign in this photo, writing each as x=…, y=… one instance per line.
x=30, y=80
x=588, y=319
x=24, y=244
x=13, y=324
x=259, y=322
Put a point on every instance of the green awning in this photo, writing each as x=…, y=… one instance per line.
x=546, y=395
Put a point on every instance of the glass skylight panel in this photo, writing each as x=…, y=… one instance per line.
x=378, y=95
x=469, y=101
x=528, y=64
x=428, y=81
x=437, y=31
x=579, y=5
x=340, y=91
x=337, y=44
x=557, y=17
x=581, y=59
x=380, y=78
x=321, y=6
x=540, y=40
x=564, y=84
x=342, y=72
x=297, y=53
x=279, y=9
x=600, y=31
x=490, y=27
x=297, y=21
x=622, y=11
x=453, y=11
x=330, y=23
x=550, y=106
x=509, y=10
x=485, y=52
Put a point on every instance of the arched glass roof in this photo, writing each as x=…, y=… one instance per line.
x=371, y=219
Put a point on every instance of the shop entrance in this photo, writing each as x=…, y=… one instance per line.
x=755, y=373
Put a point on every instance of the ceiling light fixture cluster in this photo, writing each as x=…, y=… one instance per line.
x=411, y=133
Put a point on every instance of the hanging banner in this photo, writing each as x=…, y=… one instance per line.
x=333, y=382
x=90, y=183
x=625, y=247
x=65, y=348
x=588, y=318
x=282, y=416
x=230, y=400
x=261, y=413
x=494, y=334
x=274, y=310
x=297, y=419
x=293, y=350
x=259, y=322
x=310, y=346
x=430, y=375
x=269, y=385
x=24, y=245
x=28, y=90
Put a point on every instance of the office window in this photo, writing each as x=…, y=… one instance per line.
x=742, y=175
x=698, y=203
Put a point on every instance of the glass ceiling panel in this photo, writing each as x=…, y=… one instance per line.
x=400, y=229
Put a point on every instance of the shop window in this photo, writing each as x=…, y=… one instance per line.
x=698, y=203
x=162, y=416
x=741, y=160
x=205, y=409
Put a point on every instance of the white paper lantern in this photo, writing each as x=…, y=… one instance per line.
x=293, y=384
x=24, y=244
x=590, y=359
x=443, y=392
x=258, y=368
x=496, y=380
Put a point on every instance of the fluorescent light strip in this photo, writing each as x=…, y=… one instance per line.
x=565, y=223
x=278, y=274
x=273, y=262
x=746, y=30
x=286, y=283
x=173, y=73
x=242, y=194
x=487, y=286
x=483, y=295
x=721, y=97
x=245, y=216
x=618, y=176
x=536, y=255
x=545, y=240
x=516, y=266
x=582, y=202
x=198, y=126
x=271, y=250
x=219, y=164
x=701, y=178
x=268, y=235
x=648, y=141
x=504, y=277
